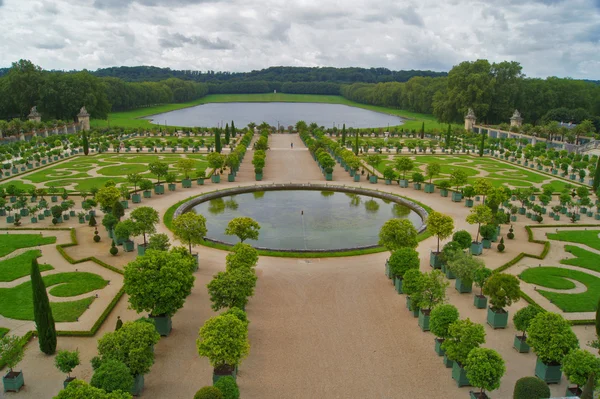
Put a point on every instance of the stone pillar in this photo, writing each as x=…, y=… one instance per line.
x=34, y=115
x=516, y=119
x=84, y=119
x=470, y=120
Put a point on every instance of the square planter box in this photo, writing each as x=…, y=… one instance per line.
x=200, y=182
x=487, y=244
x=388, y=182
x=230, y=178
x=550, y=374
x=463, y=287
x=469, y=203
x=424, y=319
x=141, y=249
x=520, y=344
x=443, y=193
x=438, y=347
x=429, y=188
x=13, y=381
x=215, y=178
x=497, y=320
x=398, y=285
x=136, y=198
x=128, y=246
x=172, y=186
x=460, y=375
x=447, y=362
x=388, y=272
x=125, y=204
x=147, y=194
x=480, y=301
x=233, y=374
x=434, y=260
x=449, y=274
x=403, y=183
x=476, y=248
x=417, y=186
x=573, y=392
x=186, y=183
x=159, y=189
x=456, y=197
x=373, y=179
x=163, y=324
x=138, y=385
x=356, y=177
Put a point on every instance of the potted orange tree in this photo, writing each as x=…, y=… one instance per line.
x=463, y=336
x=503, y=289
x=485, y=367
x=11, y=353
x=440, y=319
x=522, y=318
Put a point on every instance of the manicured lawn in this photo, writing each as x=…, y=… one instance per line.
x=18, y=184
x=586, y=237
x=130, y=118
x=3, y=331
x=585, y=259
x=20, y=266
x=17, y=303
x=553, y=277
x=11, y=242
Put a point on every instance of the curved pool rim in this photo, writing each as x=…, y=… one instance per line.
x=188, y=205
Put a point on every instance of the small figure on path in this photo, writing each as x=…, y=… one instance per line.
x=292, y=145
x=302, y=212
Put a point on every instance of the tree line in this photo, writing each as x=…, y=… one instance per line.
x=492, y=90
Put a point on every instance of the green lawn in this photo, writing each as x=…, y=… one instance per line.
x=17, y=303
x=11, y=242
x=585, y=259
x=3, y=331
x=586, y=237
x=553, y=277
x=20, y=266
x=131, y=119
x=18, y=184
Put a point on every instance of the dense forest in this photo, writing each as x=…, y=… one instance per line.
x=493, y=90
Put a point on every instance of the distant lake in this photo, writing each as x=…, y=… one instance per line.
x=286, y=114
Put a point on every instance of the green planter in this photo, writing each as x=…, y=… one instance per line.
x=24, y=212
x=141, y=249
x=463, y=287
x=429, y=188
x=443, y=193
x=159, y=189
x=497, y=320
x=163, y=324
x=469, y=203
x=147, y=194
x=200, y=182
x=186, y=183
x=136, y=198
x=520, y=344
x=258, y=176
x=460, y=375
x=215, y=178
x=573, y=392
x=480, y=301
x=447, y=362
x=128, y=246
x=450, y=274
x=388, y=272
x=172, y=186
x=550, y=374
x=403, y=183
x=125, y=204
x=13, y=381
x=557, y=217
x=456, y=197
x=438, y=347
x=424, y=319
x=476, y=248
x=388, y=182
x=231, y=177
x=138, y=385
x=68, y=381
x=373, y=179
x=487, y=244
x=356, y=177
x=522, y=211
x=398, y=285
x=34, y=220
x=417, y=186
x=434, y=260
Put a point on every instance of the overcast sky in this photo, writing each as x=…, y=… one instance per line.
x=548, y=37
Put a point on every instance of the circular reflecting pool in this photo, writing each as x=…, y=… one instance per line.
x=305, y=220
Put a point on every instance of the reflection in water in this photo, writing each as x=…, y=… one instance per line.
x=371, y=206
x=305, y=219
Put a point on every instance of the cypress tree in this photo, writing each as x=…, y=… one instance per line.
x=356, y=144
x=227, y=133
x=42, y=312
x=482, y=144
x=233, y=129
x=422, y=130
x=86, y=143
x=344, y=135
x=448, y=136
x=597, y=176
x=217, y=140
x=598, y=320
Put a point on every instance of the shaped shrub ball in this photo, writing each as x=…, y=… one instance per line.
x=531, y=388
x=208, y=393
x=228, y=387
x=112, y=375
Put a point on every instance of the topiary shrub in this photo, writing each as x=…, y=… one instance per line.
x=463, y=238
x=531, y=388
x=501, y=247
x=96, y=236
x=510, y=234
x=113, y=249
x=92, y=221
x=208, y=393
x=112, y=375
x=228, y=387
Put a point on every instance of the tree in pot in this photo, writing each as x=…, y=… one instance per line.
x=123, y=231
x=133, y=345
x=185, y=166
x=441, y=226
x=503, y=289
x=432, y=170
x=389, y=175
x=112, y=376
x=81, y=389
x=146, y=187
x=458, y=178
x=417, y=179
x=374, y=160
x=106, y=197
x=66, y=361
x=522, y=318
x=531, y=388
x=444, y=186
x=232, y=288
x=12, y=349
x=145, y=219
x=479, y=215
x=463, y=238
x=551, y=338
x=401, y=261
x=215, y=161
x=190, y=228
x=440, y=319
x=411, y=285
x=480, y=276
x=403, y=165
x=398, y=233
x=158, y=169
x=487, y=232
x=463, y=266
x=485, y=367
x=159, y=242
x=578, y=365
x=241, y=255
x=170, y=178
x=432, y=292
x=158, y=282
x=109, y=222
x=482, y=187
x=244, y=228
x=223, y=340
x=464, y=336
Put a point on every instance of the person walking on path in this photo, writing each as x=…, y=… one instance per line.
x=292, y=145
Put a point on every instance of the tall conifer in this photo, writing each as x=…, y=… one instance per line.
x=217, y=140
x=233, y=132
x=42, y=312
x=86, y=143
x=227, y=133
x=344, y=135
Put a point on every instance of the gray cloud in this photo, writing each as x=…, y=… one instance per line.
x=548, y=37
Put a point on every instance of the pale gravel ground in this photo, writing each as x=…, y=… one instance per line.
x=323, y=328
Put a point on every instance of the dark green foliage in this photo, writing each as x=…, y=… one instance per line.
x=217, y=141
x=117, y=210
x=228, y=387
x=119, y=323
x=227, y=133
x=501, y=246
x=92, y=221
x=344, y=135
x=596, y=177
x=42, y=312
x=531, y=388
x=463, y=238
x=112, y=375
x=208, y=393
x=449, y=136
x=86, y=143
x=598, y=320
x=113, y=249
x=233, y=132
